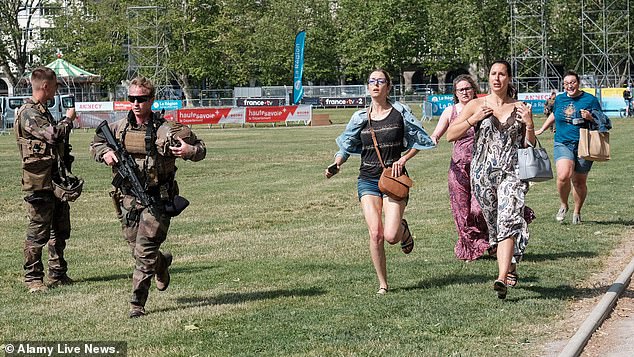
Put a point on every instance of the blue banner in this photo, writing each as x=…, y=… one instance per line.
x=298, y=67
x=439, y=102
x=167, y=104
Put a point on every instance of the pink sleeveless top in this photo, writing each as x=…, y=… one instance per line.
x=463, y=147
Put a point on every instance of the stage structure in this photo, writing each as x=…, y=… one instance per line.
x=147, y=48
x=533, y=70
x=606, y=58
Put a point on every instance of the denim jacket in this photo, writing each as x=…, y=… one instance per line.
x=601, y=121
x=415, y=136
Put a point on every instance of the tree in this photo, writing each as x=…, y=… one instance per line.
x=92, y=35
x=15, y=37
x=192, y=38
x=276, y=27
x=564, y=33
x=379, y=33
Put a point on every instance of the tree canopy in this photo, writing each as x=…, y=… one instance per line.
x=225, y=43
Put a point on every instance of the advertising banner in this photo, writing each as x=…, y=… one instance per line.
x=167, y=105
x=210, y=115
x=298, y=66
x=612, y=101
x=439, y=102
x=342, y=102
x=94, y=106
x=259, y=102
x=302, y=113
x=122, y=106
x=88, y=119
x=278, y=114
x=536, y=100
x=314, y=101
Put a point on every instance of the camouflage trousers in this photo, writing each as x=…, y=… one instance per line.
x=145, y=231
x=49, y=224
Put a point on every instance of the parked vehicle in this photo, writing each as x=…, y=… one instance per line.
x=9, y=105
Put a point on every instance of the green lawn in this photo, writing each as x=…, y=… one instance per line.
x=271, y=259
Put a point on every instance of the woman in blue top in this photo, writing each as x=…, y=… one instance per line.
x=572, y=111
x=397, y=131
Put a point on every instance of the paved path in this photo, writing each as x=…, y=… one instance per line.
x=615, y=335
x=615, y=338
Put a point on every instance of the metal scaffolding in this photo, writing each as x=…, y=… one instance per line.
x=533, y=70
x=606, y=59
x=147, y=48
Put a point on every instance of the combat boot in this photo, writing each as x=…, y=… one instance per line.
x=163, y=276
x=36, y=286
x=136, y=311
x=64, y=280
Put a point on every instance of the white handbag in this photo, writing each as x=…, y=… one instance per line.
x=534, y=164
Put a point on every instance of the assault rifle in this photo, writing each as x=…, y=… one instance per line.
x=127, y=177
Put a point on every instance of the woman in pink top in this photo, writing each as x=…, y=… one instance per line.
x=473, y=238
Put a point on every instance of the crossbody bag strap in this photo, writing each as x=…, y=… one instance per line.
x=376, y=146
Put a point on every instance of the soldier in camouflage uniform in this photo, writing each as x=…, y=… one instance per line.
x=145, y=228
x=39, y=140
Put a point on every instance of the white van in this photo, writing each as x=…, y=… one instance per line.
x=9, y=105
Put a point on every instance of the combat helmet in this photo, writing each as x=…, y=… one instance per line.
x=67, y=189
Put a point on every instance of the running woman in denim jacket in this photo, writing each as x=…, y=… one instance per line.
x=397, y=131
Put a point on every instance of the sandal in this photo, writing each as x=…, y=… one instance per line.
x=500, y=287
x=407, y=242
x=511, y=278
x=382, y=291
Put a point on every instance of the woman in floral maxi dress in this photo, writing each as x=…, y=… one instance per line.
x=502, y=125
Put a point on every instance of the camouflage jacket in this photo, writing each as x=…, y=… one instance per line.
x=39, y=140
x=159, y=167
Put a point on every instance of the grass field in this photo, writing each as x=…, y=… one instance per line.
x=271, y=259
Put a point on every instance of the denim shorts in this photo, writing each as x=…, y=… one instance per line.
x=370, y=187
x=562, y=151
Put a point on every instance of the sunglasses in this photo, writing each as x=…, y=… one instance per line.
x=139, y=98
x=377, y=81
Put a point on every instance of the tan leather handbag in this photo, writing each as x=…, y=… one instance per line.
x=396, y=188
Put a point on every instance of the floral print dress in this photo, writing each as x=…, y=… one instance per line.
x=495, y=180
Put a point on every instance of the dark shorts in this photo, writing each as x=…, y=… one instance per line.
x=568, y=152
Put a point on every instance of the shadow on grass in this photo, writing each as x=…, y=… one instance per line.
x=528, y=283
x=104, y=278
x=177, y=270
x=564, y=292
x=621, y=222
x=446, y=281
x=531, y=257
x=237, y=298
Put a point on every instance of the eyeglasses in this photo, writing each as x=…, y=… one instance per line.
x=377, y=81
x=139, y=98
x=464, y=90
x=566, y=84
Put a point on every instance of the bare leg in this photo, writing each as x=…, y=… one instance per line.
x=505, y=254
x=565, y=170
x=580, y=190
x=372, y=207
x=393, y=230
